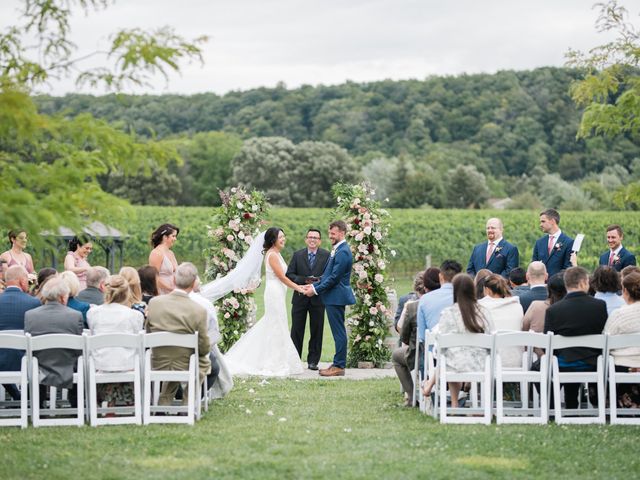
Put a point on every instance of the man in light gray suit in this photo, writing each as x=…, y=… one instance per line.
x=57, y=364
x=94, y=293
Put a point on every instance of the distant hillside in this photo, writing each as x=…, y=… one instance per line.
x=506, y=123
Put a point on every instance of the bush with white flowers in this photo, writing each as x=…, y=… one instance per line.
x=367, y=230
x=233, y=229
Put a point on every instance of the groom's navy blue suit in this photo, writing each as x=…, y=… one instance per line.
x=335, y=292
x=559, y=258
x=625, y=258
x=505, y=257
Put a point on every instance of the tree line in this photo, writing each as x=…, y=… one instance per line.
x=453, y=141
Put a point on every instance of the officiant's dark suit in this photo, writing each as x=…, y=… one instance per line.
x=305, y=265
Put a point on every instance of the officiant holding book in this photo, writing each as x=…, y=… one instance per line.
x=306, y=267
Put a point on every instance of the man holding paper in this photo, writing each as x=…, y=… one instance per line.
x=554, y=248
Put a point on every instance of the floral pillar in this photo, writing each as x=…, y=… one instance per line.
x=233, y=230
x=369, y=318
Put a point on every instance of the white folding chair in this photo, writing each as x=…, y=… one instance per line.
x=116, y=415
x=524, y=376
x=429, y=405
x=10, y=415
x=579, y=415
x=628, y=416
x=483, y=376
x=154, y=377
x=58, y=416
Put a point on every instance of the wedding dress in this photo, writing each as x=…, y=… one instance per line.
x=266, y=349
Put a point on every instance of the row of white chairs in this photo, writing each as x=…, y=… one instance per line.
x=145, y=379
x=549, y=378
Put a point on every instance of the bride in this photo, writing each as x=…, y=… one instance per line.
x=266, y=349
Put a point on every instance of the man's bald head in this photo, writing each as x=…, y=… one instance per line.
x=536, y=273
x=17, y=276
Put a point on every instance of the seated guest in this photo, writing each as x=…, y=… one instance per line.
x=626, y=319
x=617, y=257
x=534, y=316
x=506, y=314
x=148, y=282
x=56, y=365
x=402, y=302
x=44, y=274
x=576, y=314
x=537, y=279
x=403, y=357
x=627, y=270
x=94, y=293
x=518, y=281
x=14, y=303
x=176, y=312
x=73, y=284
x=466, y=315
x=135, y=292
x=478, y=281
x=220, y=378
x=432, y=303
x=115, y=316
x=606, y=283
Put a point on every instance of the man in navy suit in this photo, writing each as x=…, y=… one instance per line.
x=334, y=289
x=496, y=254
x=554, y=248
x=617, y=257
x=14, y=303
x=537, y=279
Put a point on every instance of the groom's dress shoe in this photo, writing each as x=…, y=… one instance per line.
x=332, y=371
x=313, y=366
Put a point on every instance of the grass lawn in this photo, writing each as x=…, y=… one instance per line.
x=401, y=284
x=319, y=429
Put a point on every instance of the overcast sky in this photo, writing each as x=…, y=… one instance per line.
x=261, y=42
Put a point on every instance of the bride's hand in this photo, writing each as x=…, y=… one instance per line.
x=300, y=289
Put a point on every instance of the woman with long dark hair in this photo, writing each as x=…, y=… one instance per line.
x=162, y=258
x=76, y=259
x=266, y=349
x=464, y=316
x=16, y=254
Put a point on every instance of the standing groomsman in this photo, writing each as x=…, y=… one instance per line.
x=554, y=248
x=496, y=254
x=306, y=267
x=617, y=257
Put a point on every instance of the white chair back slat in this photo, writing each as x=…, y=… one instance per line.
x=589, y=341
x=623, y=341
x=169, y=339
x=13, y=341
x=480, y=340
x=57, y=340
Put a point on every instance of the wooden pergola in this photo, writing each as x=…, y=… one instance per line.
x=108, y=238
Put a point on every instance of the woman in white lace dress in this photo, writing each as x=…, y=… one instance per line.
x=266, y=349
x=466, y=315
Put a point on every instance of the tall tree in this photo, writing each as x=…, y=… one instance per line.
x=49, y=165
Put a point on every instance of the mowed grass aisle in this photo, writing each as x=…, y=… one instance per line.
x=319, y=429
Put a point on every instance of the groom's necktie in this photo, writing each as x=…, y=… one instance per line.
x=312, y=260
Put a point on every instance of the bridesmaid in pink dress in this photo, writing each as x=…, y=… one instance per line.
x=16, y=254
x=76, y=259
x=162, y=258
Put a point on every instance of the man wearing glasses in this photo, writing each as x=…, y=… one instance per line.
x=306, y=267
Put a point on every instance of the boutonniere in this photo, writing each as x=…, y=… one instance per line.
x=616, y=258
x=333, y=252
x=557, y=246
x=498, y=250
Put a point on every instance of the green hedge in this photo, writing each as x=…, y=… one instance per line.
x=414, y=233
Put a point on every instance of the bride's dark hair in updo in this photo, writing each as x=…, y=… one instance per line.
x=270, y=238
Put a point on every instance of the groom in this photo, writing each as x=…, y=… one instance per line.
x=334, y=289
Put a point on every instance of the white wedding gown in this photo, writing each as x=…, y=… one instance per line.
x=266, y=349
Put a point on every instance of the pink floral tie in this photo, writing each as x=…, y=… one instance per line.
x=489, y=252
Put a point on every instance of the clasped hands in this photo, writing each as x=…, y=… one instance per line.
x=306, y=290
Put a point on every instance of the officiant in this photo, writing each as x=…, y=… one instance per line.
x=306, y=266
